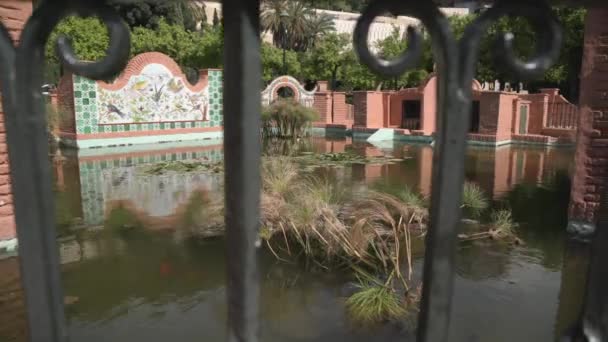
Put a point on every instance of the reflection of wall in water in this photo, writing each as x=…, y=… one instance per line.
x=13, y=322
x=498, y=170
x=572, y=288
x=103, y=181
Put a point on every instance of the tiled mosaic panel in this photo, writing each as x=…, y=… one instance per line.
x=85, y=104
x=92, y=178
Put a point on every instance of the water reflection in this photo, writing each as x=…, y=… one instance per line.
x=138, y=276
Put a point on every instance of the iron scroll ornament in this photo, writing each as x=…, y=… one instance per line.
x=27, y=137
x=456, y=62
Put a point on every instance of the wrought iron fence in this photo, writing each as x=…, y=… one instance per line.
x=21, y=78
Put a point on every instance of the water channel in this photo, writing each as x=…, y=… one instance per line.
x=132, y=270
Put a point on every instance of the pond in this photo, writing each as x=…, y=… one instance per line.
x=134, y=271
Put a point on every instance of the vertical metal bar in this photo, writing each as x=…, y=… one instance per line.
x=242, y=149
x=453, y=120
x=28, y=148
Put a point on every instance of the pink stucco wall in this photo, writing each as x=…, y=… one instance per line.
x=537, y=116
x=396, y=104
x=429, y=107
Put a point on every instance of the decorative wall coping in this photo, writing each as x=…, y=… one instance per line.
x=301, y=95
x=139, y=62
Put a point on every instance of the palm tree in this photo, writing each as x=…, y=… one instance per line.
x=318, y=26
x=272, y=20
x=298, y=16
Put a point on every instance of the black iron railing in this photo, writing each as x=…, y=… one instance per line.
x=21, y=78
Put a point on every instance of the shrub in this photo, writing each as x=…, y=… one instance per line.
x=286, y=118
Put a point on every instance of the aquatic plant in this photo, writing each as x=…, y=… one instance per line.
x=184, y=166
x=375, y=303
x=501, y=224
x=122, y=219
x=286, y=118
x=501, y=227
x=314, y=160
x=474, y=200
x=378, y=301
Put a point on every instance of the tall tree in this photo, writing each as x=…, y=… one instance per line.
x=319, y=25
x=216, y=18
x=293, y=24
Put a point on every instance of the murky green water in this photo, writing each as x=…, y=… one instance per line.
x=160, y=284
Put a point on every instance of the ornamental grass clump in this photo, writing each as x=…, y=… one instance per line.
x=474, y=200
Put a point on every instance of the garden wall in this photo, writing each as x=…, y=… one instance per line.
x=150, y=102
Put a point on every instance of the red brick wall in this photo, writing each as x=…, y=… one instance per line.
x=342, y=111
x=7, y=220
x=14, y=14
x=360, y=104
x=591, y=159
x=322, y=106
x=65, y=104
x=488, y=112
x=496, y=114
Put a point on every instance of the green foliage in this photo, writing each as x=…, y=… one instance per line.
x=331, y=53
x=272, y=62
x=89, y=38
x=315, y=52
x=287, y=118
x=390, y=48
x=338, y=5
x=150, y=13
x=197, y=50
x=564, y=74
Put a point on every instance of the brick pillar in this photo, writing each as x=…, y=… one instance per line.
x=7, y=222
x=13, y=14
x=592, y=137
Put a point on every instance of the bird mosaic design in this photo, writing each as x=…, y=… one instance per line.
x=155, y=95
